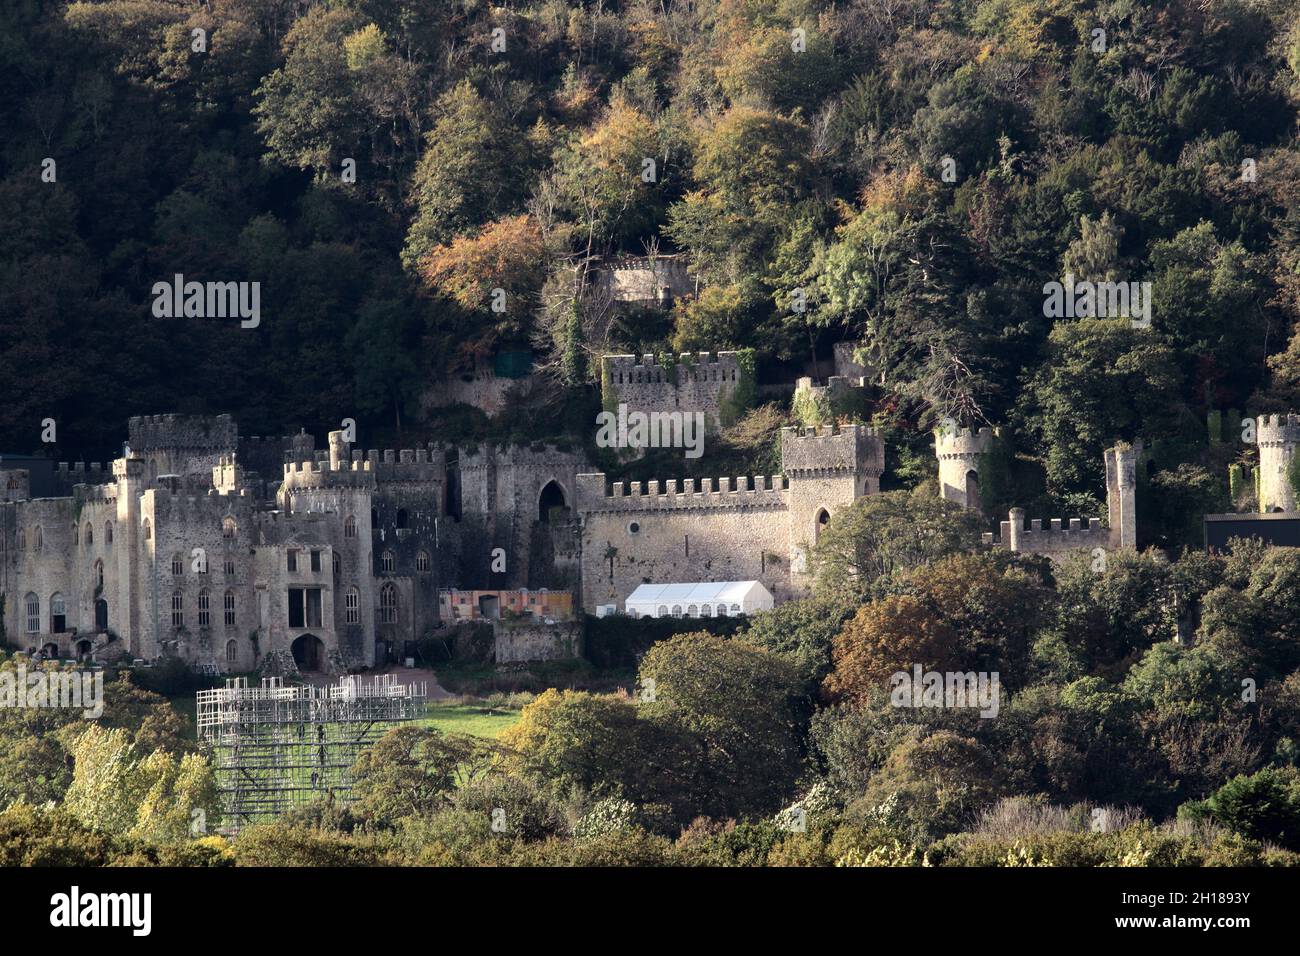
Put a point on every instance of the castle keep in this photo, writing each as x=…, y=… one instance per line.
x=332, y=557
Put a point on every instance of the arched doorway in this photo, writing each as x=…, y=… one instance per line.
x=823, y=517
x=101, y=615
x=50, y=651
x=85, y=650
x=308, y=652
x=551, y=498
x=972, y=490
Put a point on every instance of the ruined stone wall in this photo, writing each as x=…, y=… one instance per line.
x=521, y=641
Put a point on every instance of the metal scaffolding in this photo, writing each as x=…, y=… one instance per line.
x=274, y=747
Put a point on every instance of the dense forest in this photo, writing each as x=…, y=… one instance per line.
x=901, y=175
x=914, y=171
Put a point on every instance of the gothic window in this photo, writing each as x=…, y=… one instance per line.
x=178, y=565
x=148, y=530
x=388, y=604
x=232, y=652
x=230, y=567
x=58, y=614
x=422, y=562
x=205, y=614
x=387, y=563
x=33, y=614
x=352, y=607
x=108, y=532
x=90, y=535
x=99, y=575
x=350, y=527
x=228, y=605
x=22, y=539
x=228, y=527
x=38, y=539
x=178, y=609
x=76, y=534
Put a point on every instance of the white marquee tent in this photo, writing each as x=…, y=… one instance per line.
x=706, y=599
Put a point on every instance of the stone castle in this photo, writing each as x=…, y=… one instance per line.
x=334, y=560
x=230, y=551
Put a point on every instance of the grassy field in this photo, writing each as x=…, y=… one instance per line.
x=456, y=718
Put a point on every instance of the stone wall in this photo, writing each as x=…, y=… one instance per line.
x=521, y=641
x=696, y=383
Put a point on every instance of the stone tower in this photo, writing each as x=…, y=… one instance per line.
x=959, y=452
x=826, y=469
x=1278, y=436
x=1121, y=494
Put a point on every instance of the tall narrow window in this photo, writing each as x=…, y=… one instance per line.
x=148, y=530
x=229, y=607
x=352, y=607
x=422, y=562
x=108, y=532
x=387, y=563
x=205, y=614
x=178, y=565
x=232, y=652
x=33, y=614
x=90, y=534
x=58, y=614
x=350, y=527
x=178, y=609
x=99, y=575
x=388, y=604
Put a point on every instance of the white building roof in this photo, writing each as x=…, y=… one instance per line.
x=707, y=592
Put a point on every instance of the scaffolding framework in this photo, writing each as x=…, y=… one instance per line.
x=277, y=747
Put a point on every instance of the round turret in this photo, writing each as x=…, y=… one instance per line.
x=1277, y=436
x=960, y=451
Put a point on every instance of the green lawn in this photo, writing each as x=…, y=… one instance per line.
x=473, y=719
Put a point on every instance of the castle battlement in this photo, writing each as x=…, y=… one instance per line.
x=1277, y=429
x=1057, y=538
x=962, y=443
x=78, y=468
x=760, y=491
x=97, y=494
x=828, y=449
x=209, y=432
x=689, y=367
